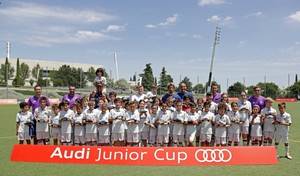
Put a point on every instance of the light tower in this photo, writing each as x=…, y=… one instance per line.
x=8, y=50
x=116, y=64
x=216, y=41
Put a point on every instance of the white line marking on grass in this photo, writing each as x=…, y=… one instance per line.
x=7, y=137
x=292, y=140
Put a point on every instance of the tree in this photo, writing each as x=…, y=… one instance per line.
x=199, y=89
x=134, y=77
x=18, y=81
x=90, y=74
x=4, y=75
x=236, y=89
x=67, y=75
x=35, y=71
x=24, y=71
x=164, y=80
x=294, y=90
x=147, y=77
x=268, y=89
x=188, y=83
x=122, y=84
x=296, y=78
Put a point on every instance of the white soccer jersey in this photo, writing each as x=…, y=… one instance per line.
x=54, y=119
x=42, y=117
x=213, y=107
x=164, y=117
x=78, y=121
x=245, y=105
x=138, y=97
x=286, y=118
x=235, y=120
x=66, y=118
x=118, y=116
x=24, y=119
x=206, y=119
x=221, y=131
x=269, y=114
x=256, y=129
x=190, y=128
x=134, y=126
x=101, y=79
x=143, y=115
x=91, y=119
x=103, y=128
x=180, y=116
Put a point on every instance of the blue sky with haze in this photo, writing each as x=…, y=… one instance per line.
x=258, y=37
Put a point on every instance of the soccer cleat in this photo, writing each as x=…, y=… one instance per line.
x=288, y=156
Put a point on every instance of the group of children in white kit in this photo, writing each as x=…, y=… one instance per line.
x=157, y=124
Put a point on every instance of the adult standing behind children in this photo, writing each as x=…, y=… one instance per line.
x=184, y=92
x=256, y=98
x=34, y=103
x=71, y=97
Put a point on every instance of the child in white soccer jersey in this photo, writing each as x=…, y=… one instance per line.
x=256, y=121
x=191, y=125
x=90, y=116
x=170, y=106
x=144, y=129
x=206, y=123
x=152, y=127
x=66, y=118
x=200, y=108
x=245, y=110
x=118, y=117
x=79, y=121
x=283, y=122
x=42, y=116
x=235, y=125
x=269, y=114
x=132, y=119
x=163, y=130
x=179, y=117
x=103, y=126
x=54, y=123
x=100, y=78
x=24, y=119
x=222, y=122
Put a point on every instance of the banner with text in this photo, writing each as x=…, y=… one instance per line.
x=154, y=156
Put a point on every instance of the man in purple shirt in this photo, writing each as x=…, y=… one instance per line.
x=71, y=97
x=215, y=93
x=257, y=99
x=34, y=103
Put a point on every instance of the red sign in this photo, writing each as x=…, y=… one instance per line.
x=286, y=100
x=154, y=156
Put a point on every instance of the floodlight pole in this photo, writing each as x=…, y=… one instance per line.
x=216, y=41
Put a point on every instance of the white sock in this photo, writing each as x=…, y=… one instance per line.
x=286, y=150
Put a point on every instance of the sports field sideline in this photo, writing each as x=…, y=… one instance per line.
x=8, y=139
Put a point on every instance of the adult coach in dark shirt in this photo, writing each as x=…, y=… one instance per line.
x=184, y=92
x=171, y=93
x=98, y=94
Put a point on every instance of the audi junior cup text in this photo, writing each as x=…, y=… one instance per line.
x=159, y=154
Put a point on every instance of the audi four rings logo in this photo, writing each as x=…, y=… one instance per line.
x=213, y=155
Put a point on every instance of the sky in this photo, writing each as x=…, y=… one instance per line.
x=259, y=39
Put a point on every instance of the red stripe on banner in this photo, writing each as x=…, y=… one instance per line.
x=152, y=156
x=286, y=100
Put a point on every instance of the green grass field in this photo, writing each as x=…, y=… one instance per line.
x=8, y=139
